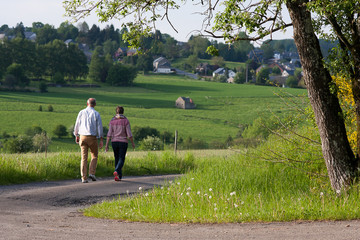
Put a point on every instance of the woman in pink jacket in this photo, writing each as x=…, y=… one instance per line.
x=119, y=133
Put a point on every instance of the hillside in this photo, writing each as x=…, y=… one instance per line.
x=221, y=108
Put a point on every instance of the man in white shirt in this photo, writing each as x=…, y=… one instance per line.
x=88, y=128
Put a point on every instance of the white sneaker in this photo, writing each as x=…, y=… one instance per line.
x=92, y=177
x=84, y=181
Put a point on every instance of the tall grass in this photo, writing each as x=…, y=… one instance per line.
x=24, y=168
x=271, y=183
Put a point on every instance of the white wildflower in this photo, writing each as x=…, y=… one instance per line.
x=178, y=183
x=215, y=209
x=210, y=189
x=192, y=178
x=232, y=193
x=188, y=189
x=140, y=188
x=235, y=205
x=321, y=194
x=210, y=197
x=187, y=193
x=198, y=193
x=146, y=194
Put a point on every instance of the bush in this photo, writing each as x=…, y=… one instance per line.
x=43, y=87
x=140, y=133
x=167, y=137
x=32, y=131
x=20, y=144
x=151, y=143
x=50, y=108
x=60, y=131
x=40, y=108
x=41, y=142
x=195, y=143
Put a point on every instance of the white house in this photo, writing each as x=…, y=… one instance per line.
x=162, y=65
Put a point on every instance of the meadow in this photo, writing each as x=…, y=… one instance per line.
x=221, y=108
x=282, y=179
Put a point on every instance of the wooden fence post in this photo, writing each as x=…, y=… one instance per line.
x=175, y=143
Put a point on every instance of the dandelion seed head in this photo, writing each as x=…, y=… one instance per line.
x=210, y=197
x=210, y=189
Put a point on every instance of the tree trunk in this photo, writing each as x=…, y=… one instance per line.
x=338, y=156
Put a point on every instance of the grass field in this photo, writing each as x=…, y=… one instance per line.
x=221, y=107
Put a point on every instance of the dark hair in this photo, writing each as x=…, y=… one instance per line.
x=119, y=110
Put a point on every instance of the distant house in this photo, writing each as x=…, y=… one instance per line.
x=162, y=65
x=120, y=53
x=222, y=71
x=185, y=103
x=68, y=41
x=30, y=36
x=131, y=52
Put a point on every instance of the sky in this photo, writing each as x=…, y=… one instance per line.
x=52, y=12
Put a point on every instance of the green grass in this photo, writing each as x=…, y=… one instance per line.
x=252, y=186
x=221, y=108
x=25, y=168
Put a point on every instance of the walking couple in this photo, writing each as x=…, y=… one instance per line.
x=88, y=129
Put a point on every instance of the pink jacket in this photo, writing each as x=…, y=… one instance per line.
x=119, y=129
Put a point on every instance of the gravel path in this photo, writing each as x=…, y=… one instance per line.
x=50, y=210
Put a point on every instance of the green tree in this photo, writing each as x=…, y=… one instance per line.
x=144, y=63
x=46, y=34
x=17, y=71
x=121, y=75
x=292, y=82
x=67, y=31
x=98, y=69
x=60, y=131
x=262, y=77
x=262, y=18
x=240, y=76
x=20, y=144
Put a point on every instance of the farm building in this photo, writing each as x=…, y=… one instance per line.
x=185, y=103
x=162, y=65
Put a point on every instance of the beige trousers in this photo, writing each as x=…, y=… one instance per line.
x=85, y=143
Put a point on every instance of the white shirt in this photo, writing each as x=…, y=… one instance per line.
x=88, y=123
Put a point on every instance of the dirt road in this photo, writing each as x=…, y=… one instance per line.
x=50, y=210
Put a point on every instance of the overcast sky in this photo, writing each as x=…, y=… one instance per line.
x=52, y=12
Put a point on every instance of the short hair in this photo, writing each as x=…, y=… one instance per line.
x=119, y=110
x=91, y=102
